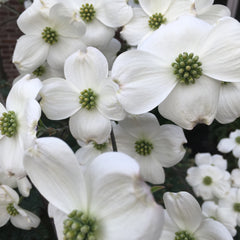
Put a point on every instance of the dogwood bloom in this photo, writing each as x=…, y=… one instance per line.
x=82, y=212
x=101, y=17
x=53, y=38
x=208, y=181
x=228, y=109
x=184, y=220
x=18, y=123
x=152, y=15
x=211, y=209
x=87, y=96
x=231, y=203
x=179, y=72
x=152, y=145
x=209, y=12
x=231, y=144
x=10, y=210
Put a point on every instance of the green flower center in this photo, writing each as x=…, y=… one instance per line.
x=237, y=140
x=236, y=207
x=12, y=210
x=136, y=1
x=183, y=235
x=88, y=99
x=79, y=226
x=156, y=20
x=207, y=180
x=143, y=147
x=87, y=12
x=49, y=35
x=8, y=124
x=187, y=68
x=100, y=147
x=39, y=71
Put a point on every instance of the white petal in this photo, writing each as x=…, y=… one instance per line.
x=64, y=24
x=228, y=105
x=211, y=229
x=159, y=44
x=8, y=195
x=169, y=145
x=54, y=170
x=59, y=52
x=108, y=104
x=30, y=52
x=194, y=176
x=60, y=98
x=184, y=210
x=97, y=34
x=86, y=69
x=152, y=6
x=4, y=215
x=90, y=126
x=188, y=105
x=201, y=5
x=220, y=57
x=113, y=13
x=143, y=81
x=151, y=169
x=24, y=186
x=25, y=220
x=236, y=151
x=25, y=89
x=226, y=145
x=214, y=13
x=137, y=28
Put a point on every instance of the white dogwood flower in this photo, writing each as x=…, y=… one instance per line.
x=9, y=210
x=151, y=15
x=18, y=123
x=179, y=68
x=50, y=37
x=87, y=96
x=231, y=144
x=184, y=220
x=152, y=145
x=81, y=197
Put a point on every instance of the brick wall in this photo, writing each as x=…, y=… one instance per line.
x=9, y=33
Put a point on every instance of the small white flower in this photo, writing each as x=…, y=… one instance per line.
x=151, y=15
x=232, y=143
x=109, y=200
x=211, y=209
x=152, y=145
x=87, y=96
x=231, y=204
x=18, y=123
x=50, y=38
x=9, y=210
x=184, y=220
x=208, y=181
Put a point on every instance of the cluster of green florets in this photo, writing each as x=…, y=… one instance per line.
x=236, y=207
x=49, y=35
x=12, y=210
x=80, y=226
x=87, y=12
x=237, y=140
x=100, y=147
x=88, y=99
x=8, y=124
x=183, y=235
x=143, y=147
x=207, y=180
x=156, y=20
x=39, y=71
x=187, y=68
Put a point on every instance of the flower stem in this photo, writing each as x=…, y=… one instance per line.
x=113, y=140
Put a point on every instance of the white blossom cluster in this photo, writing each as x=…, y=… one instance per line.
x=219, y=189
x=178, y=62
